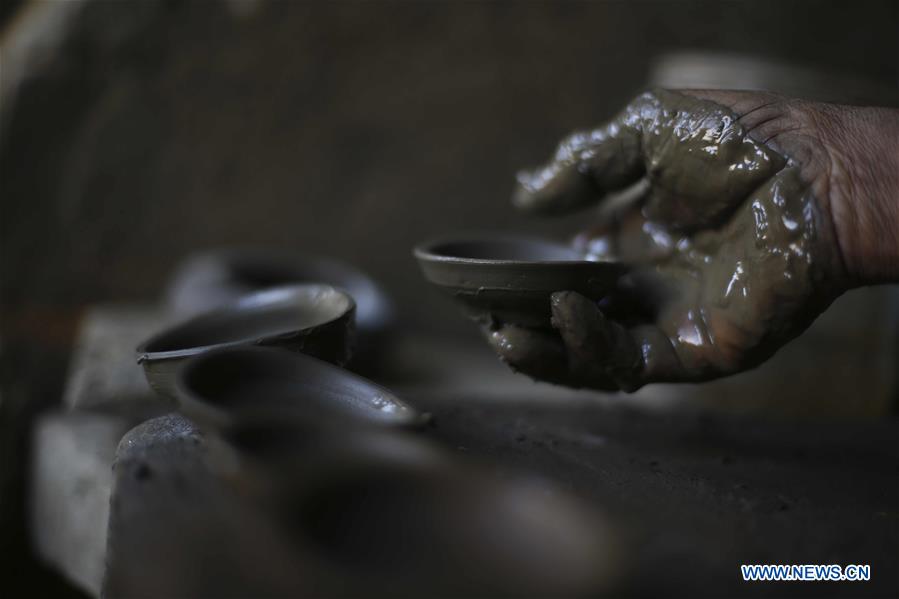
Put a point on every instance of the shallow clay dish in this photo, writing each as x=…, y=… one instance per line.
x=210, y=279
x=224, y=388
x=510, y=279
x=312, y=319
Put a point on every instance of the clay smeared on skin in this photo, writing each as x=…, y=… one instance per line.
x=726, y=232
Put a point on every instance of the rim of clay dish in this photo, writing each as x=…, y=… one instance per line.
x=429, y=250
x=273, y=296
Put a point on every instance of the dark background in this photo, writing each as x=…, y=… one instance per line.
x=352, y=129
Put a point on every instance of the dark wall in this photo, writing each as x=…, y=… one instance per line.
x=352, y=129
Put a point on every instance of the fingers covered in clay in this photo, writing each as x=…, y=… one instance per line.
x=597, y=349
x=586, y=166
x=588, y=350
x=733, y=252
x=539, y=354
x=600, y=350
x=542, y=355
x=698, y=158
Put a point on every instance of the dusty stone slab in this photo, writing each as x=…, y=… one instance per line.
x=70, y=488
x=104, y=373
x=698, y=494
x=701, y=493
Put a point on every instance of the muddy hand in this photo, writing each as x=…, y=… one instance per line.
x=732, y=231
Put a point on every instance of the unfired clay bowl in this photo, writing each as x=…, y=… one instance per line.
x=510, y=279
x=223, y=389
x=212, y=278
x=313, y=319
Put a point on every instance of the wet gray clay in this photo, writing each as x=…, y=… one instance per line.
x=727, y=238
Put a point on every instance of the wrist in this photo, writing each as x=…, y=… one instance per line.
x=863, y=185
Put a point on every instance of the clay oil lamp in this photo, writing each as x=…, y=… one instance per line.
x=511, y=279
x=317, y=320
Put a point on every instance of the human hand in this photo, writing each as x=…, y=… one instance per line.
x=738, y=237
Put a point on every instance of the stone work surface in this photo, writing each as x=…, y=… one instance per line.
x=696, y=495
x=701, y=494
x=699, y=491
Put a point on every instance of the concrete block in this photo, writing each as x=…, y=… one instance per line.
x=70, y=488
x=104, y=373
